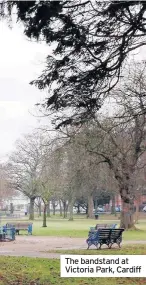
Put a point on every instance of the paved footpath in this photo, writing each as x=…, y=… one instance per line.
x=30, y=246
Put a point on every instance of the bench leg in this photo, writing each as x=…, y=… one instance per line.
x=100, y=246
x=119, y=245
x=110, y=245
x=88, y=246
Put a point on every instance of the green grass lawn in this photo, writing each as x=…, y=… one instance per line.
x=37, y=271
x=80, y=226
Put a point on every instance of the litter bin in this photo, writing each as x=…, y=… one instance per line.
x=96, y=216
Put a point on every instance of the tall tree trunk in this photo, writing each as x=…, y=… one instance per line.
x=48, y=210
x=90, y=206
x=40, y=209
x=78, y=209
x=53, y=205
x=60, y=207
x=71, y=204
x=87, y=210
x=65, y=208
x=127, y=215
x=95, y=205
x=31, y=208
x=45, y=216
x=11, y=208
x=64, y=212
x=137, y=214
x=113, y=210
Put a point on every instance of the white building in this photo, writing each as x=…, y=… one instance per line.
x=20, y=202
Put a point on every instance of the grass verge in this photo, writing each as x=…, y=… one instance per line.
x=138, y=249
x=38, y=271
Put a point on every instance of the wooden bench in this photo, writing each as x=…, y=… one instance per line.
x=21, y=226
x=105, y=236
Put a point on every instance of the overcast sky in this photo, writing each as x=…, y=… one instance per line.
x=20, y=62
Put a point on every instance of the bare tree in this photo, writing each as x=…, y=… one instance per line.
x=46, y=181
x=6, y=192
x=24, y=167
x=120, y=140
x=38, y=203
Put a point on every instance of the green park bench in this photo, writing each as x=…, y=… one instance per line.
x=7, y=234
x=21, y=227
x=107, y=236
x=2, y=234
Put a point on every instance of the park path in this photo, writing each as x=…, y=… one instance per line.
x=31, y=246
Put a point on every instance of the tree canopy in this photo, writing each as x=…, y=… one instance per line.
x=90, y=40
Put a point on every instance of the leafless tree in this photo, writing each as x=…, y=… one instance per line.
x=24, y=167
x=119, y=140
x=6, y=192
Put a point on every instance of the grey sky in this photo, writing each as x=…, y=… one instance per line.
x=20, y=62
